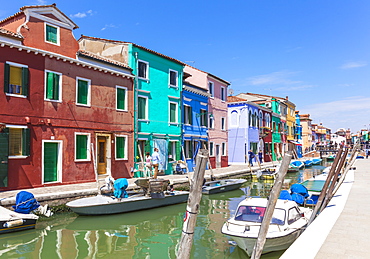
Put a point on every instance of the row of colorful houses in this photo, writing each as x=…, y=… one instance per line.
x=72, y=109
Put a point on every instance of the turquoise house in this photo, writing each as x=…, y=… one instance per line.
x=157, y=97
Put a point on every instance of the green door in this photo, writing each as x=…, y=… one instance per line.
x=50, y=162
x=4, y=152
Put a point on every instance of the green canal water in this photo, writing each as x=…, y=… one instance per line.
x=146, y=234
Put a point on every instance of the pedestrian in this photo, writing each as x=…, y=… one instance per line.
x=260, y=156
x=367, y=153
x=155, y=162
x=251, y=156
x=148, y=163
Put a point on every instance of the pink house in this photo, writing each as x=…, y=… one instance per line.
x=218, y=132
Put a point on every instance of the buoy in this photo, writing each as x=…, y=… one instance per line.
x=13, y=223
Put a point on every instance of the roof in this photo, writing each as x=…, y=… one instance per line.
x=136, y=45
x=36, y=7
x=99, y=58
x=10, y=34
x=234, y=99
x=219, y=78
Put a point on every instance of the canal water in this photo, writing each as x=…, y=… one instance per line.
x=146, y=234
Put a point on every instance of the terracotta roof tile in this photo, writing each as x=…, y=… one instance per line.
x=233, y=99
x=99, y=58
x=11, y=34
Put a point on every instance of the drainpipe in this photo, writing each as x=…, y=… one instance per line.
x=136, y=107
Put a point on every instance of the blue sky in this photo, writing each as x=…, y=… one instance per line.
x=316, y=52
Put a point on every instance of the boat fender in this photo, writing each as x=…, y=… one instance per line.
x=13, y=223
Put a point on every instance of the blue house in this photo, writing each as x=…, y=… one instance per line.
x=298, y=134
x=195, y=122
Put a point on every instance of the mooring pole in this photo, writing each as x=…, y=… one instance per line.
x=274, y=195
x=192, y=208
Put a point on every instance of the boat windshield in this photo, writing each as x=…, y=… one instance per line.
x=255, y=214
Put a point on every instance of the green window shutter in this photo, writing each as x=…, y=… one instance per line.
x=26, y=142
x=120, y=147
x=6, y=77
x=51, y=34
x=178, y=150
x=172, y=112
x=147, y=147
x=82, y=92
x=81, y=146
x=121, y=97
x=49, y=85
x=25, y=81
x=56, y=87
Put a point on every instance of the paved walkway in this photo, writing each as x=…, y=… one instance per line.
x=342, y=230
x=59, y=192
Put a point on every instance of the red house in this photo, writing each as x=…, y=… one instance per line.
x=65, y=114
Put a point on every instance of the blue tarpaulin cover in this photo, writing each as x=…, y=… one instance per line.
x=300, y=189
x=299, y=199
x=285, y=195
x=120, y=186
x=25, y=202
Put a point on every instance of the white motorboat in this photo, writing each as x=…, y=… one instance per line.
x=287, y=223
x=222, y=185
x=11, y=221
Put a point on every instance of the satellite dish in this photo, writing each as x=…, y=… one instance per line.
x=230, y=91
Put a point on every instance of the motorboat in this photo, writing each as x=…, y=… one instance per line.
x=222, y=185
x=316, y=161
x=295, y=166
x=155, y=195
x=287, y=223
x=11, y=221
x=308, y=163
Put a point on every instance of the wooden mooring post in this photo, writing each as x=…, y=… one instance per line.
x=274, y=195
x=192, y=208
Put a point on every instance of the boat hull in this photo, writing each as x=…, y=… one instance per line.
x=104, y=205
x=231, y=184
x=27, y=224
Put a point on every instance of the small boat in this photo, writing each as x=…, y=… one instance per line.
x=155, y=195
x=295, y=166
x=11, y=221
x=316, y=161
x=308, y=163
x=330, y=158
x=222, y=185
x=287, y=223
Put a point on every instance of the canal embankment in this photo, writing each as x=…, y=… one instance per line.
x=342, y=229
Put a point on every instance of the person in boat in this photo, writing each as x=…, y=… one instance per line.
x=148, y=163
x=251, y=155
x=260, y=156
x=155, y=162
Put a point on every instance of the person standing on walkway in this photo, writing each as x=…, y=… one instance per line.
x=155, y=162
x=367, y=153
x=251, y=156
x=260, y=156
x=148, y=163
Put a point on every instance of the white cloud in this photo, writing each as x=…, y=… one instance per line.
x=275, y=78
x=108, y=26
x=41, y=2
x=354, y=64
x=82, y=15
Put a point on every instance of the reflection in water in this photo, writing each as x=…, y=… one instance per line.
x=153, y=233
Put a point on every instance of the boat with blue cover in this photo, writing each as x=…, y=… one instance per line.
x=308, y=163
x=295, y=166
x=316, y=161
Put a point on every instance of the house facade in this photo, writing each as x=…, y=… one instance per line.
x=64, y=113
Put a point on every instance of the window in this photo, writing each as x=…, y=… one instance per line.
x=223, y=123
x=211, y=152
x=234, y=118
x=211, y=89
x=121, y=98
x=223, y=149
x=53, y=86
x=173, y=112
x=15, y=79
x=82, y=146
x=188, y=114
x=121, y=147
x=173, y=150
x=173, y=78
x=211, y=122
x=293, y=215
x=83, y=91
x=19, y=141
x=223, y=93
x=250, y=118
x=142, y=108
x=188, y=149
x=260, y=120
x=203, y=118
x=51, y=34
x=143, y=69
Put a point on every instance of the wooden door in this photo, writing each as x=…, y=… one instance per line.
x=102, y=155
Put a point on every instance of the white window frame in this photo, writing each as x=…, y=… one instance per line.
x=176, y=115
x=58, y=33
x=223, y=123
x=16, y=127
x=169, y=78
x=115, y=147
x=21, y=66
x=211, y=148
x=60, y=86
x=89, y=92
x=223, y=94
x=223, y=148
x=211, y=85
x=125, y=88
x=147, y=70
x=211, y=122
x=88, y=151
x=146, y=108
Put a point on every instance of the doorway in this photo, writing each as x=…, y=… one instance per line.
x=102, y=155
x=218, y=156
x=52, y=157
